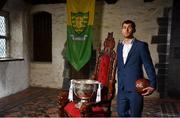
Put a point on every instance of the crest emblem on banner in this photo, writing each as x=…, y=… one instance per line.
x=79, y=21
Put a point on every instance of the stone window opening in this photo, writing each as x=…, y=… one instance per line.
x=42, y=37
x=4, y=35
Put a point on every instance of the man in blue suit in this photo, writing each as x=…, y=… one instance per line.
x=132, y=55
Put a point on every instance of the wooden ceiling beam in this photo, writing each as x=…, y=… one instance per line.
x=2, y=3
x=34, y=2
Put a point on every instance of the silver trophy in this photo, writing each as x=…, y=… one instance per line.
x=84, y=90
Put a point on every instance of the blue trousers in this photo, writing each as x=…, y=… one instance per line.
x=129, y=104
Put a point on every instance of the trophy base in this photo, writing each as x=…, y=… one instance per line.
x=79, y=104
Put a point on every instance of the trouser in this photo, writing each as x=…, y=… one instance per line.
x=129, y=104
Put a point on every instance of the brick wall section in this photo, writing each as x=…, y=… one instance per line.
x=162, y=48
x=173, y=86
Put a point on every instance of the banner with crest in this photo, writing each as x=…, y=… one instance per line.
x=80, y=17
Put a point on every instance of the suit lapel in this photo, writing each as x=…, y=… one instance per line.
x=131, y=50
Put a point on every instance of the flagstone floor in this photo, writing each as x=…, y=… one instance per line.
x=42, y=102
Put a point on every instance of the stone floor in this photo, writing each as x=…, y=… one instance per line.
x=42, y=102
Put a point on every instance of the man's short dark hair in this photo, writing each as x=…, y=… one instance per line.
x=130, y=22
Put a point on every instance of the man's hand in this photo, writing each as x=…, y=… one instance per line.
x=149, y=91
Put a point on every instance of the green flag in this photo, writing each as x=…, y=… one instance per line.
x=80, y=16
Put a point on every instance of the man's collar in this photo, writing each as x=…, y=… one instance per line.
x=130, y=41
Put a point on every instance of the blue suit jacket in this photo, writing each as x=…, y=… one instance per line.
x=132, y=70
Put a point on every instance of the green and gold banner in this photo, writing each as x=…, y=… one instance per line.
x=80, y=17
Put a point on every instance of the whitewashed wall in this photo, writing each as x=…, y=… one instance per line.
x=108, y=18
x=14, y=75
x=51, y=74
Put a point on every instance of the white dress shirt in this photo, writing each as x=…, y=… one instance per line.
x=126, y=48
